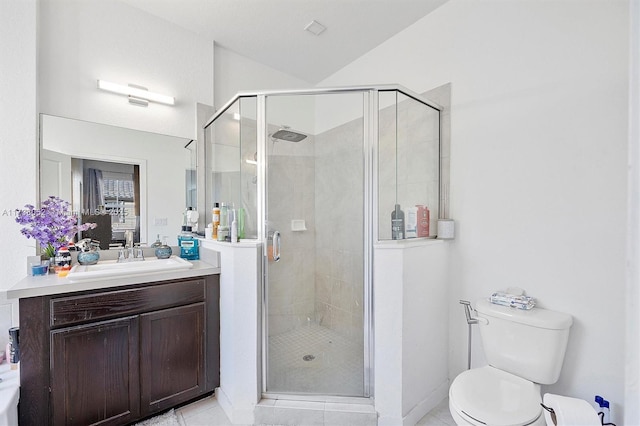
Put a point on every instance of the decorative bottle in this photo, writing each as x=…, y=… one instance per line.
x=164, y=251
x=157, y=243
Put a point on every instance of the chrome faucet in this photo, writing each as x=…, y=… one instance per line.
x=130, y=254
x=128, y=237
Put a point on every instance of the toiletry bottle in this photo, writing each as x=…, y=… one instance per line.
x=423, y=221
x=188, y=244
x=62, y=259
x=234, y=231
x=192, y=219
x=397, y=223
x=215, y=221
x=223, y=230
x=240, y=220
x=14, y=354
x=411, y=223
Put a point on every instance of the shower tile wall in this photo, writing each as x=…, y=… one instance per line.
x=408, y=161
x=291, y=280
x=339, y=202
x=321, y=275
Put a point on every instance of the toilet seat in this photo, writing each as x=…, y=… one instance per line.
x=494, y=397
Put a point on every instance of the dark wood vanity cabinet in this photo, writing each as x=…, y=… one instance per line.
x=94, y=373
x=116, y=356
x=171, y=337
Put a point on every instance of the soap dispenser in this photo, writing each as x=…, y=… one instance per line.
x=157, y=243
x=163, y=251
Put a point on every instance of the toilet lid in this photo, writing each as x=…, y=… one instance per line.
x=495, y=397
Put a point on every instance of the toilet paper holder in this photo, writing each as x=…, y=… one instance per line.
x=555, y=420
x=552, y=412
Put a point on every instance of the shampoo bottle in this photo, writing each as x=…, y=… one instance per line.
x=215, y=221
x=397, y=223
x=423, y=221
x=223, y=230
x=411, y=223
x=234, y=231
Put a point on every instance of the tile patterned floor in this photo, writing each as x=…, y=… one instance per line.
x=336, y=367
x=207, y=412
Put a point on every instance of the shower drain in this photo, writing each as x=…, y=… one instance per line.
x=308, y=358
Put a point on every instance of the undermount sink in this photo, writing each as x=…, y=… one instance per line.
x=111, y=268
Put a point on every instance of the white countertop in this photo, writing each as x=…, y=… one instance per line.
x=51, y=284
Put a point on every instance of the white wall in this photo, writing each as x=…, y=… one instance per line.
x=62, y=48
x=81, y=42
x=538, y=162
x=632, y=349
x=17, y=142
x=236, y=73
x=240, y=313
x=410, y=277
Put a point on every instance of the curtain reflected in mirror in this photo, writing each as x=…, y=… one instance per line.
x=93, y=190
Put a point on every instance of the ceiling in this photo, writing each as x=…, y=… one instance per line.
x=272, y=31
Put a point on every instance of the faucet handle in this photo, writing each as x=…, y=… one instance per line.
x=138, y=253
x=122, y=255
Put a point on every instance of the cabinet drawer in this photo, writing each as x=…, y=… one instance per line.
x=98, y=306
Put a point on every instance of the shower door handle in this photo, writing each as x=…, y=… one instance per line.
x=275, y=244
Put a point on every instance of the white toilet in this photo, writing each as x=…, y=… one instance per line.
x=524, y=349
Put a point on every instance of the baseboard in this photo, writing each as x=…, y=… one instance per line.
x=426, y=405
x=236, y=415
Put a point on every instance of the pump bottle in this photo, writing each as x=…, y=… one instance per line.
x=397, y=223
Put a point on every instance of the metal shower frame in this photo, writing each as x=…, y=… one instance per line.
x=370, y=160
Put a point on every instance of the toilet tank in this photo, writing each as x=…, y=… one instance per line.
x=528, y=343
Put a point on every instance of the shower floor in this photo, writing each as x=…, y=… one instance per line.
x=335, y=369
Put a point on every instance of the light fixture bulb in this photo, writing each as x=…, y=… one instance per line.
x=135, y=92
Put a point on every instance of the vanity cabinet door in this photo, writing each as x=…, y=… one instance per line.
x=94, y=373
x=172, y=357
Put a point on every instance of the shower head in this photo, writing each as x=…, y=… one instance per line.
x=288, y=135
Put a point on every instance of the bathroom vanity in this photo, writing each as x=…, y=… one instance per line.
x=115, y=351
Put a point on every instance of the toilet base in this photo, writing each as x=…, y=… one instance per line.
x=462, y=421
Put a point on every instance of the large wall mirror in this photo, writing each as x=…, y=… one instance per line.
x=122, y=179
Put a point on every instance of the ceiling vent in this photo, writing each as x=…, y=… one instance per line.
x=315, y=28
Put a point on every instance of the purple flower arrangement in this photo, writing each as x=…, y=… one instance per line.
x=52, y=225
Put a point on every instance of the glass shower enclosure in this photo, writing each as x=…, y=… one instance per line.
x=315, y=176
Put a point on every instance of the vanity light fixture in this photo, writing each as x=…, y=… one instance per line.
x=137, y=94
